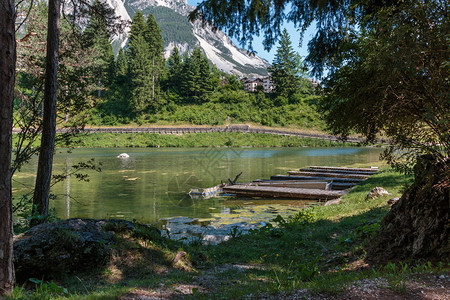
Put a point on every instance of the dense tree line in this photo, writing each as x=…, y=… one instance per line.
x=143, y=85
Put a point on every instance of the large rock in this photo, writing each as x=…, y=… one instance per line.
x=377, y=192
x=418, y=227
x=52, y=249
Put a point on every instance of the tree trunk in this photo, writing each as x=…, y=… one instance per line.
x=44, y=173
x=7, y=80
x=418, y=227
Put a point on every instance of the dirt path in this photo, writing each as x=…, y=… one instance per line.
x=433, y=287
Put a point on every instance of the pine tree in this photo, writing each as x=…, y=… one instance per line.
x=140, y=64
x=197, y=79
x=154, y=40
x=287, y=67
x=121, y=69
x=97, y=36
x=118, y=98
x=174, y=65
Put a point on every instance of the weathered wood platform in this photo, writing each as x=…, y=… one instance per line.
x=328, y=179
x=372, y=170
x=339, y=186
x=321, y=174
x=304, y=183
x=321, y=185
x=283, y=192
x=337, y=171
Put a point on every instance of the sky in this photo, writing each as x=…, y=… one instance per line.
x=295, y=38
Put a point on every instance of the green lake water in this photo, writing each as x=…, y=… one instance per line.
x=152, y=184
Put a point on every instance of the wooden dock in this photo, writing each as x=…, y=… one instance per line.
x=313, y=183
x=283, y=192
x=335, y=175
x=324, y=169
x=312, y=169
x=328, y=179
x=321, y=185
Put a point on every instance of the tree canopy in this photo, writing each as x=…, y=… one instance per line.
x=395, y=82
x=335, y=20
x=387, y=62
x=287, y=67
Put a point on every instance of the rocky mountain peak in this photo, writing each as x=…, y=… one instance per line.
x=171, y=16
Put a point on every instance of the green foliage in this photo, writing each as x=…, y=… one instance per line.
x=145, y=64
x=335, y=21
x=42, y=291
x=31, y=216
x=198, y=80
x=287, y=69
x=303, y=218
x=97, y=35
x=81, y=56
x=395, y=83
x=190, y=90
x=212, y=139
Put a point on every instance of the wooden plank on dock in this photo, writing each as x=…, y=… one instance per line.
x=373, y=169
x=321, y=185
x=328, y=179
x=283, y=192
x=311, y=169
x=321, y=174
x=339, y=186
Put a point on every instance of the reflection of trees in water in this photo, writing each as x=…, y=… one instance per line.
x=68, y=165
x=179, y=187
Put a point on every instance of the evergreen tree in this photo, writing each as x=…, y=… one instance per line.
x=197, y=78
x=118, y=99
x=174, y=65
x=140, y=64
x=154, y=40
x=97, y=36
x=146, y=63
x=121, y=66
x=287, y=68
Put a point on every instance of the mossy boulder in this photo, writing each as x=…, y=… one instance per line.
x=66, y=247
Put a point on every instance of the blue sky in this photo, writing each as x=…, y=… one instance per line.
x=295, y=38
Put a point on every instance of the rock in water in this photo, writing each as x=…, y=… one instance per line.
x=377, y=192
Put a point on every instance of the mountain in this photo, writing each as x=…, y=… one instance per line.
x=171, y=16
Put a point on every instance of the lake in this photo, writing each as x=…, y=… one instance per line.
x=153, y=183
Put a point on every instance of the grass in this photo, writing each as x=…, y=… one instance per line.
x=321, y=249
x=213, y=139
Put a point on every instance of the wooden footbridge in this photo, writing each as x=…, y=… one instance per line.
x=317, y=183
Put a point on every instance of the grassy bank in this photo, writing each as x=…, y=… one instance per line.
x=212, y=139
x=320, y=251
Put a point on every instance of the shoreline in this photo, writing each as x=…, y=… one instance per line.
x=199, y=140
